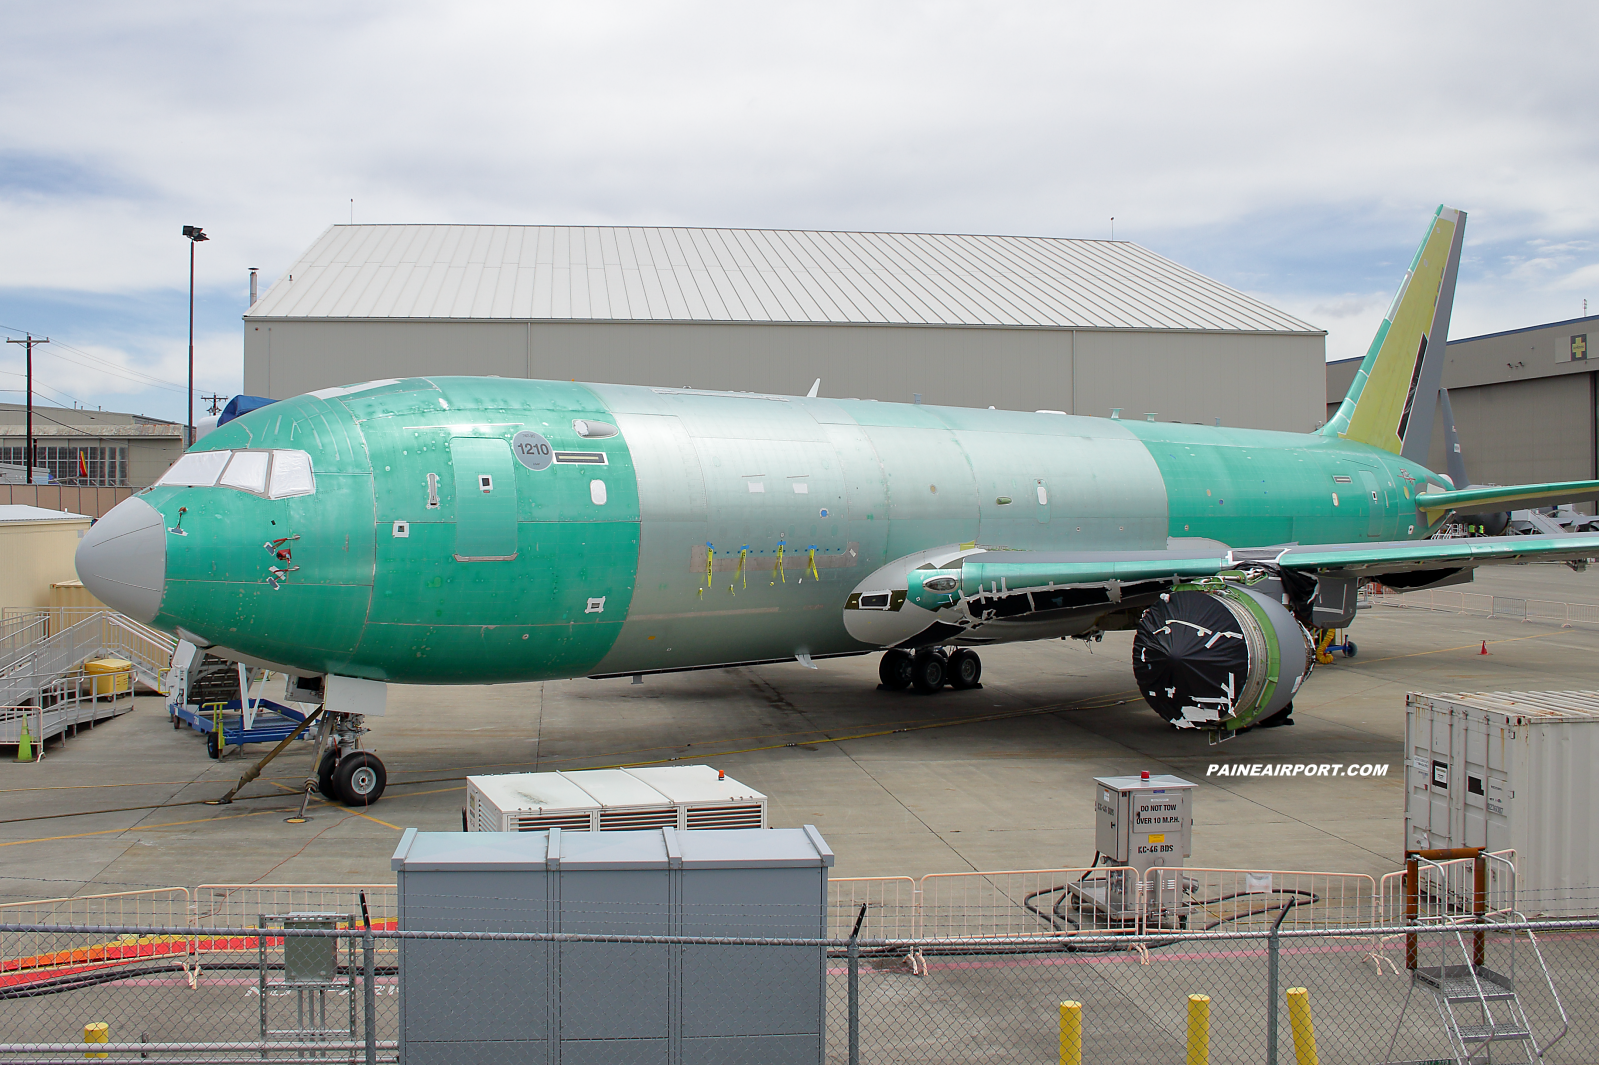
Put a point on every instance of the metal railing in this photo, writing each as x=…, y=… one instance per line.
x=1446, y=889
x=237, y=905
x=150, y=650
x=1482, y=604
x=63, y=701
x=43, y=682
x=893, y=905
x=20, y=631
x=1106, y=899
x=58, y=953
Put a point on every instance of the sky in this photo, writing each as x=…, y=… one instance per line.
x=1293, y=151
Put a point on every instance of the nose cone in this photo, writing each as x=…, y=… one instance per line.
x=122, y=559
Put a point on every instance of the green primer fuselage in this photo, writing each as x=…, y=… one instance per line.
x=730, y=527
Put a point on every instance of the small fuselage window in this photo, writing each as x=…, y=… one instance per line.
x=276, y=474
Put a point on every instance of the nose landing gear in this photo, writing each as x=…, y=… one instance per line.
x=929, y=670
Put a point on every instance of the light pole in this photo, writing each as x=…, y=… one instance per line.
x=195, y=235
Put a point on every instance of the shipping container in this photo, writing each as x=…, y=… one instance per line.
x=1510, y=770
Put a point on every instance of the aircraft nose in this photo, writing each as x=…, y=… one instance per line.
x=122, y=559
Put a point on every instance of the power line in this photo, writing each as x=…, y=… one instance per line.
x=38, y=388
x=115, y=368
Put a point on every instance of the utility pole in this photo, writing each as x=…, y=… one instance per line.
x=195, y=235
x=27, y=452
x=216, y=403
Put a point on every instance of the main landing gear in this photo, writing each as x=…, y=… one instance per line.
x=929, y=669
x=344, y=772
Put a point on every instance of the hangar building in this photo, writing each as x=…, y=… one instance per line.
x=1526, y=403
x=1020, y=323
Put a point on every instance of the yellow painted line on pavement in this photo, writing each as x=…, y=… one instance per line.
x=1469, y=646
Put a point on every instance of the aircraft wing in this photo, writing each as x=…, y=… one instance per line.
x=1004, y=573
x=1378, y=559
x=1484, y=499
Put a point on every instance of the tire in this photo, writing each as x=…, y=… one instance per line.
x=360, y=779
x=212, y=747
x=324, y=775
x=965, y=669
x=894, y=670
x=1349, y=648
x=929, y=672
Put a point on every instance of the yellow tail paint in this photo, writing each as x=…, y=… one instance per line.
x=1391, y=400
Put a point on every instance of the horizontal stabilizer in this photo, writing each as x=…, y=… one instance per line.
x=1506, y=497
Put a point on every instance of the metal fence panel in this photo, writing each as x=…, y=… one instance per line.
x=1023, y=902
x=892, y=906
x=1267, y=997
x=1240, y=900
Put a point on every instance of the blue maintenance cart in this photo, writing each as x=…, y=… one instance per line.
x=223, y=723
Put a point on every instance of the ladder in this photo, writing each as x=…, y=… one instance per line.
x=1478, y=1007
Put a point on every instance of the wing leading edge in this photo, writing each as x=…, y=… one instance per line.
x=1004, y=573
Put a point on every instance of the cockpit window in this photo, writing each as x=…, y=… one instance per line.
x=275, y=474
x=291, y=475
x=197, y=469
x=248, y=471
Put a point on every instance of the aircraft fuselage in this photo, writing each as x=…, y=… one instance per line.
x=463, y=530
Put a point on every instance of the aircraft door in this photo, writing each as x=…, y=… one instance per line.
x=485, y=499
x=1375, y=510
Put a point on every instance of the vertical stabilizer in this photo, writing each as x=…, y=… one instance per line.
x=1392, y=398
x=1456, y=461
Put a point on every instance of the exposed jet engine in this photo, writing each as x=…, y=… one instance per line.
x=1218, y=654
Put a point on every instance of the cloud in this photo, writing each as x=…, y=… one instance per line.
x=1287, y=150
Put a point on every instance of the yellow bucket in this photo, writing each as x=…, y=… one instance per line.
x=109, y=676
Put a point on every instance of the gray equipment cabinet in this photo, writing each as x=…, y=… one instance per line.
x=474, y=1001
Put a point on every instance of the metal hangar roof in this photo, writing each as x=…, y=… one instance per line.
x=636, y=274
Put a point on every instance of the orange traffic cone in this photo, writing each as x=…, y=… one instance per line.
x=1484, y=648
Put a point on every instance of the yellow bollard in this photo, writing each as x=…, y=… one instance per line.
x=1304, y=1031
x=1198, y=1030
x=1071, y=1033
x=98, y=1032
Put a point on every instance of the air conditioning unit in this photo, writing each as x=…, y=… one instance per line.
x=610, y=800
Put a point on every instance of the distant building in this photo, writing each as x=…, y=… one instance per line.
x=1021, y=323
x=36, y=551
x=87, y=448
x=1526, y=403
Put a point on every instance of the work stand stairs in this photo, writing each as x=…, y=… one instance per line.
x=1479, y=1007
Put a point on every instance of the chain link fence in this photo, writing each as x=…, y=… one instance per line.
x=330, y=986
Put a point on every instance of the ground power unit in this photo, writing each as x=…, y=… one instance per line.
x=612, y=800
x=1139, y=823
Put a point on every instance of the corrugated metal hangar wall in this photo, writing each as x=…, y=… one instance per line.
x=1013, y=322
x=1525, y=409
